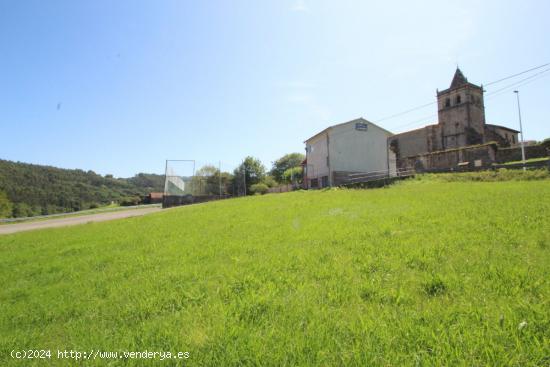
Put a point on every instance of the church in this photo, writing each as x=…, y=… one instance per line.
x=461, y=139
x=461, y=124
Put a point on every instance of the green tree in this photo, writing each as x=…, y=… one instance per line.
x=285, y=162
x=5, y=206
x=206, y=181
x=293, y=175
x=251, y=171
x=259, y=189
x=22, y=210
x=270, y=181
x=35, y=189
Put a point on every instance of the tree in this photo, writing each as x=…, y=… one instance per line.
x=293, y=175
x=270, y=181
x=251, y=171
x=285, y=162
x=206, y=181
x=5, y=206
x=35, y=189
x=259, y=189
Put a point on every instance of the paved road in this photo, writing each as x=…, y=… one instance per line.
x=71, y=221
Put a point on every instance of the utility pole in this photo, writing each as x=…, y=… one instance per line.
x=244, y=177
x=521, y=131
x=220, y=176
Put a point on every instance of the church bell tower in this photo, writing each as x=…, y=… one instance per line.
x=461, y=113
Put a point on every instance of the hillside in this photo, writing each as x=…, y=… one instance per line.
x=35, y=189
x=426, y=272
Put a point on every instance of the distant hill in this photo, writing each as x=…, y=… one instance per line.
x=36, y=190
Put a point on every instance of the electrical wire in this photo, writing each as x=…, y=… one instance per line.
x=487, y=84
x=518, y=74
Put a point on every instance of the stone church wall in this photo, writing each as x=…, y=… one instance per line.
x=460, y=158
x=514, y=154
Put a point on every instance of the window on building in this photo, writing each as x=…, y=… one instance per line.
x=513, y=139
x=325, y=181
x=458, y=99
x=314, y=183
x=447, y=102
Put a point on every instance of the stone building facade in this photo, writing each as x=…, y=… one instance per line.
x=461, y=123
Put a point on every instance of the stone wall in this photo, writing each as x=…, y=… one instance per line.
x=415, y=142
x=476, y=156
x=514, y=154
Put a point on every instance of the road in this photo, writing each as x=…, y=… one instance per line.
x=71, y=221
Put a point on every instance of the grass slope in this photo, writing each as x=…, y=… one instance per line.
x=423, y=273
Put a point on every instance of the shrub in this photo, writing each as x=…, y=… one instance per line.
x=270, y=181
x=259, y=188
x=23, y=210
x=294, y=174
x=5, y=206
x=130, y=201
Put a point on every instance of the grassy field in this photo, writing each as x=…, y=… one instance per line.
x=529, y=160
x=426, y=272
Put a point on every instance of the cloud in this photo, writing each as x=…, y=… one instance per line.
x=299, y=5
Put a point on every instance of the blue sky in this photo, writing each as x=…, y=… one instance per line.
x=119, y=86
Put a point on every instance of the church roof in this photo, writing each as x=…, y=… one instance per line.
x=459, y=79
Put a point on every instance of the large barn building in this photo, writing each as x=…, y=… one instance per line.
x=349, y=147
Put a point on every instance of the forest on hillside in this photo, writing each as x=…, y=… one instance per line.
x=32, y=189
x=28, y=190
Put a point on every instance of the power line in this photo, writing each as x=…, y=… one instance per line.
x=416, y=121
x=493, y=94
x=518, y=74
x=490, y=83
x=519, y=82
x=405, y=112
x=502, y=92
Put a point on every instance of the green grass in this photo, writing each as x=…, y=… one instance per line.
x=499, y=175
x=423, y=273
x=542, y=159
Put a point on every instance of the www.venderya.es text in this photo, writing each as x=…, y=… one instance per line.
x=95, y=354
